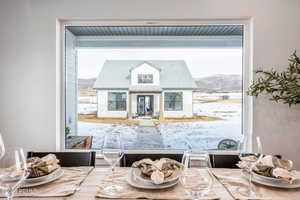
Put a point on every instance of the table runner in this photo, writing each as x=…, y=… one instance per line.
x=121, y=174
x=232, y=180
x=64, y=186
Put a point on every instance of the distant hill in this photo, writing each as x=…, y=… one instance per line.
x=86, y=83
x=215, y=83
x=220, y=83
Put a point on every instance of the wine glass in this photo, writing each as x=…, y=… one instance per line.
x=251, y=162
x=198, y=183
x=2, y=148
x=113, y=152
x=13, y=171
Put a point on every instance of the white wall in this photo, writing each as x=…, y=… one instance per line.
x=187, y=105
x=103, y=105
x=28, y=59
x=133, y=104
x=156, y=104
x=144, y=69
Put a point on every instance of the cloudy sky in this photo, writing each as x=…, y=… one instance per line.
x=201, y=62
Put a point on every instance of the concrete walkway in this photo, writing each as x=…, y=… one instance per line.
x=148, y=137
x=146, y=122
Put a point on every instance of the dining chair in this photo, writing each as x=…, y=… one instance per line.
x=129, y=158
x=69, y=159
x=224, y=160
x=217, y=160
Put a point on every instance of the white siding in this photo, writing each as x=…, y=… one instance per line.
x=144, y=69
x=187, y=105
x=134, y=104
x=71, y=83
x=156, y=103
x=103, y=106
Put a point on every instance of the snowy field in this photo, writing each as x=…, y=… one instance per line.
x=201, y=135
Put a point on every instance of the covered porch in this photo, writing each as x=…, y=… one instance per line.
x=145, y=104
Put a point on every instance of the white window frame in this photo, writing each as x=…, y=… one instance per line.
x=247, y=110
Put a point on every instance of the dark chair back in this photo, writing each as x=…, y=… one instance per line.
x=128, y=159
x=224, y=160
x=70, y=159
x=216, y=160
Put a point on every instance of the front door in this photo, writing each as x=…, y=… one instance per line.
x=144, y=105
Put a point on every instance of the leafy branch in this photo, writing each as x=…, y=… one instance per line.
x=282, y=86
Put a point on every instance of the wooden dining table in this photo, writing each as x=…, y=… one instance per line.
x=90, y=186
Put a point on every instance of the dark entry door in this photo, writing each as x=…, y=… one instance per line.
x=144, y=105
x=141, y=105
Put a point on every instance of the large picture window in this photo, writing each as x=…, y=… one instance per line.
x=145, y=78
x=160, y=87
x=173, y=101
x=116, y=101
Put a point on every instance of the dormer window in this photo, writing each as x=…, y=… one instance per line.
x=145, y=78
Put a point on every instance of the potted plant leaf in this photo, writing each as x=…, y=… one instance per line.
x=282, y=86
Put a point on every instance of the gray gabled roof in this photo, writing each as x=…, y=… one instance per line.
x=174, y=74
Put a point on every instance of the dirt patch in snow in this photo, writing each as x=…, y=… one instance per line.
x=95, y=119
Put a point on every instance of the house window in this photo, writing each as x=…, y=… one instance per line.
x=173, y=101
x=145, y=78
x=116, y=101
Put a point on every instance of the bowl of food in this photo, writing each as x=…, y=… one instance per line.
x=42, y=170
x=157, y=172
x=273, y=171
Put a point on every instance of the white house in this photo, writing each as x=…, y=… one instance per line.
x=134, y=88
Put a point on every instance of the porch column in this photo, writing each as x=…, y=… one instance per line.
x=161, y=112
x=129, y=106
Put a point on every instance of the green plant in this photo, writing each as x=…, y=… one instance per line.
x=282, y=86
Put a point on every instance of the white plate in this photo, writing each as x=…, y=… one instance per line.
x=32, y=182
x=136, y=172
x=134, y=182
x=271, y=182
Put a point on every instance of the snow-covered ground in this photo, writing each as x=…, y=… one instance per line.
x=201, y=135
x=86, y=109
x=201, y=95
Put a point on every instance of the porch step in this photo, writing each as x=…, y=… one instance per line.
x=146, y=122
x=145, y=117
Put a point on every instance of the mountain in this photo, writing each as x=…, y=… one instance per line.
x=215, y=83
x=86, y=83
x=220, y=83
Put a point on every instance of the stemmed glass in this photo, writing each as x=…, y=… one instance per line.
x=2, y=148
x=113, y=152
x=251, y=164
x=13, y=171
x=196, y=186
